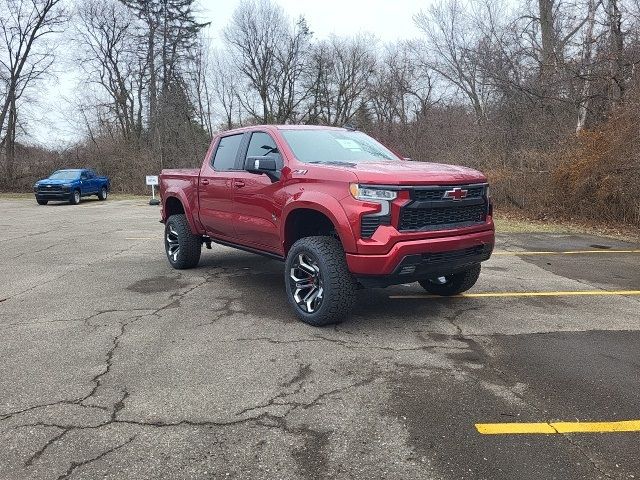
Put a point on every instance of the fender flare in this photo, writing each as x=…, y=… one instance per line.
x=194, y=225
x=328, y=206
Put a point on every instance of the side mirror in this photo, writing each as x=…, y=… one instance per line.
x=263, y=165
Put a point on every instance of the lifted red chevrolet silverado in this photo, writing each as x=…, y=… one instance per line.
x=340, y=209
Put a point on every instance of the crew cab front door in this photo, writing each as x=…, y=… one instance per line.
x=257, y=215
x=215, y=188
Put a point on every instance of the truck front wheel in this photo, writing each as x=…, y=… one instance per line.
x=320, y=287
x=183, y=248
x=75, y=197
x=452, y=284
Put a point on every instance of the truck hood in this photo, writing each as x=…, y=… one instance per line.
x=415, y=173
x=48, y=181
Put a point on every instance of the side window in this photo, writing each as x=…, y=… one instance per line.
x=225, y=157
x=262, y=145
x=84, y=176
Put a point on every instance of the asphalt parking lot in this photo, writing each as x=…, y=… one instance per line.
x=113, y=365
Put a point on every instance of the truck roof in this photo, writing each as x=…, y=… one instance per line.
x=281, y=127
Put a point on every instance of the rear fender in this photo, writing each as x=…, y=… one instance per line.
x=188, y=207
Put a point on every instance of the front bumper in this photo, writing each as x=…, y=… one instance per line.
x=43, y=195
x=419, y=259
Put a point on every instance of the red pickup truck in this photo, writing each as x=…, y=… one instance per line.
x=338, y=208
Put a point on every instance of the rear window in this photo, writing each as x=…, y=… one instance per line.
x=336, y=146
x=226, y=153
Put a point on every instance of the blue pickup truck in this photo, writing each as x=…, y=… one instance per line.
x=71, y=185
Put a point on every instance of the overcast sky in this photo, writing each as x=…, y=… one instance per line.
x=389, y=20
x=53, y=121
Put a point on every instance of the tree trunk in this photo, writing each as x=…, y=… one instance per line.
x=617, y=51
x=10, y=140
x=583, y=109
x=547, y=31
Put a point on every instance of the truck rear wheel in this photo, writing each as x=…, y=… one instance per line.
x=320, y=288
x=183, y=248
x=452, y=284
x=102, y=194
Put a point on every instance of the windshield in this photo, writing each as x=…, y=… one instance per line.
x=335, y=146
x=65, y=175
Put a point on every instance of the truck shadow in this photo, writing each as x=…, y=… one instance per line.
x=65, y=203
x=260, y=284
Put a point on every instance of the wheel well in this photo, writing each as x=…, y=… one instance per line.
x=173, y=206
x=305, y=222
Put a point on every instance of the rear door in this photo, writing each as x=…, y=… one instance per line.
x=257, y=216
x=215, y=187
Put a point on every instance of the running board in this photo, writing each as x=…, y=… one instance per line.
x=264, y=253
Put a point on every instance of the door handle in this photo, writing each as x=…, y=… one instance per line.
x=238, y=183
x=204, y=181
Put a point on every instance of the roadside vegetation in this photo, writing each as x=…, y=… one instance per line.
x=542, y=95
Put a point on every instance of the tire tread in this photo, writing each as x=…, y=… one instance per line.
x=341, y=284
x=190, y=244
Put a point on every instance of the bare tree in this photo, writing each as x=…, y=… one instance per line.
x=270, y=54
x=339, y=76
x=402, y=88
x=453, y=41
x=226, y=88
x=26, y=58
x=110, y=57
x=201, y=84
x=614, y=19
x=583, y=107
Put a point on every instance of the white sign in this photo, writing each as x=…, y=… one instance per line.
x=152, y=180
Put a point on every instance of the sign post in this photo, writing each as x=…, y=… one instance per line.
x=153, y=181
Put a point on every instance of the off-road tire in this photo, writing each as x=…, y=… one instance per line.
x=103, y=193
x=190, y=245
x=455, y=283
x=339, y=286
x=41, y=201
x=75, y=197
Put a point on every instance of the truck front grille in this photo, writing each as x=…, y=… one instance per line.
x=428, y=210
x=445, y=217
x=50, y=189
x=438, y=192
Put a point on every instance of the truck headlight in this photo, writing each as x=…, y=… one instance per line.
x=362, y=192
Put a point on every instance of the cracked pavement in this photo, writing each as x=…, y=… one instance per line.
x=113, y=365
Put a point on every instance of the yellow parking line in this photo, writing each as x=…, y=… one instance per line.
x=568, y=252
x=557, y=427
x=526, y=294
